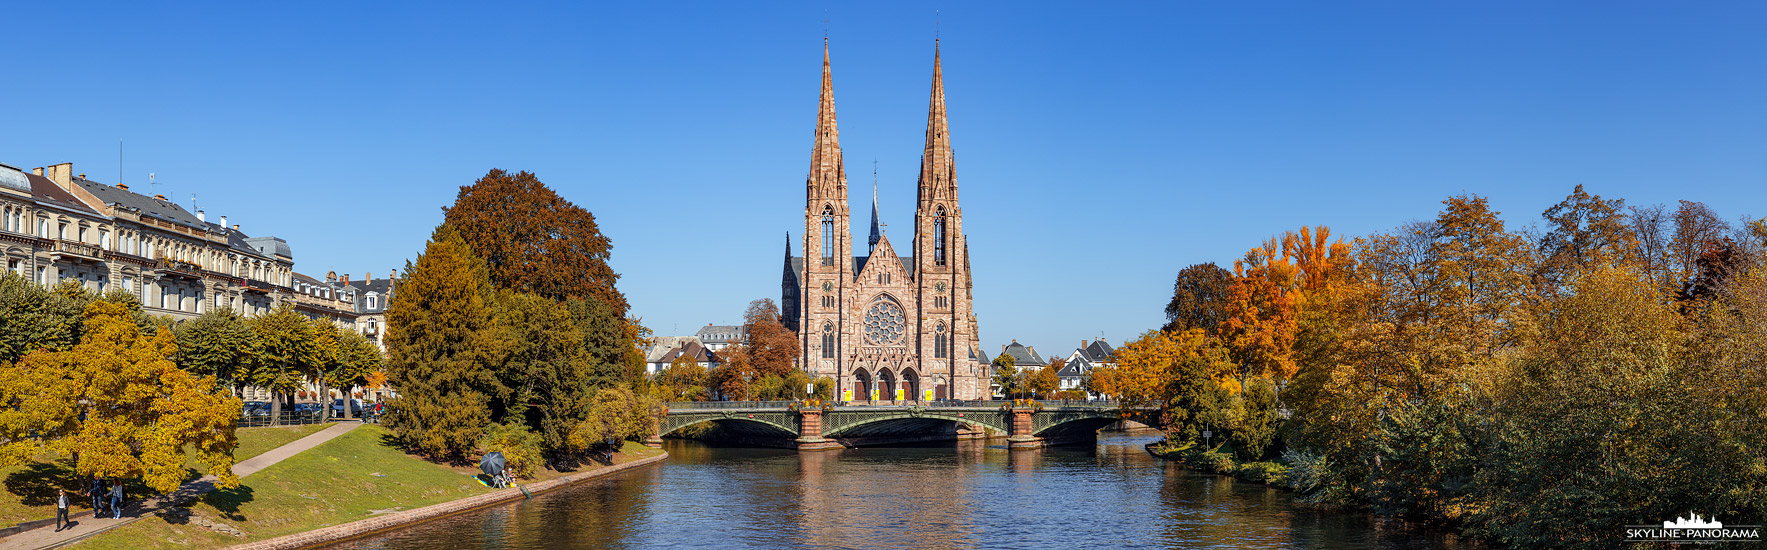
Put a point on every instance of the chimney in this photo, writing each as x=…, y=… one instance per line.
x=368, y=277
x=123, y=186
x=159, y=196
x=82, y=175
x=201, y=217
x=62, y=174
x=236, y=227
x=37, y=171
x=346, y=278
x=223, y=221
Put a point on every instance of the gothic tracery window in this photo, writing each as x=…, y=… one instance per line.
x=939, y=237
x=827, y=235
x=827, y=340
x=940, y=340
x=884, y=323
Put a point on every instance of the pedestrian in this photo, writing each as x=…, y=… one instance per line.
x=116, y=498
x=60, y=509
x=96, y=491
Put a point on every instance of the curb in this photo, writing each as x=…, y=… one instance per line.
x=387, y=522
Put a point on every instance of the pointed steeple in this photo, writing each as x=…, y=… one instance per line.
x=825, y=157
x=876, y=233
x=938, y=166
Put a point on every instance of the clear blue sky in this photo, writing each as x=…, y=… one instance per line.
x=1100, y=149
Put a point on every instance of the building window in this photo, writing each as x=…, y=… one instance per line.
x=372, y=302
x=827, y=235
x=939, y=341
x=939, y=237
x=827, y=340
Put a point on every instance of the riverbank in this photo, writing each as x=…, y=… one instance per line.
x=360, y=475
x=30, y=488
x=1216, y=461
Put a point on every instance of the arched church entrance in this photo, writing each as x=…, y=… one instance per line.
x=861, y=385
x=886, y=385
x=911, y=385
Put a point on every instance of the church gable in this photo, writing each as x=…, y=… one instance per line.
x=884, y=267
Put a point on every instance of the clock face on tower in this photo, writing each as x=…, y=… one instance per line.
x=884, y=324
x=939, y=287
x=827, y=286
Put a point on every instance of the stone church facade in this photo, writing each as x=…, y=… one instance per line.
x=885, y=326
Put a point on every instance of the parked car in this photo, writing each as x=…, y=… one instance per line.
x=337, y=408
x=308, y=409
x=255, y=408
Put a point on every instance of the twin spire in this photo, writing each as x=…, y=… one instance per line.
x=938, y=166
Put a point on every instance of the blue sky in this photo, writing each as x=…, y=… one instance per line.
x=1100, y=149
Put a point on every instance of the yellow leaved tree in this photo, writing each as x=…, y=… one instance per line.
x=118, y=403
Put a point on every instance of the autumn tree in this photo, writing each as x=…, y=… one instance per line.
x=683, y=380
x=440, y=346
x=1585, y=232
x=534, y=241
x=615, y=414
x=1006, y=375
x=1696, y=225
x=216, y=343
x=606, y=345
x=1477, y=277
x=1260, y=328
x=1651, y=225
x=1200, y=298
x=118, y=402
x=1045, y=380
x=770, y=348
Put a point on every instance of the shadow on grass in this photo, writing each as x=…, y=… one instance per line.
x=228, y=501
x=35, y=485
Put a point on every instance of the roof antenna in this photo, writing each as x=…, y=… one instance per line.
x=151, y=183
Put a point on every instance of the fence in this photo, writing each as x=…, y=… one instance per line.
x=287, y=418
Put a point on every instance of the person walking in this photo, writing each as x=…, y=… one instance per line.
x=116, y=498
x=61, y=509
x=96, y=491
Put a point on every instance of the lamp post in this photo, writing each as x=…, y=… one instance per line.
x=746, y=386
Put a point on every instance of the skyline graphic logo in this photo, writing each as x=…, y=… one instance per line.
x=1693, y=528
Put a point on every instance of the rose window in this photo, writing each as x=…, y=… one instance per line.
x=884, y=324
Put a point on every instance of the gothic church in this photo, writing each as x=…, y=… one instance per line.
x=886, y=327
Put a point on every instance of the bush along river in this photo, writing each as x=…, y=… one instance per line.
x=967, y=494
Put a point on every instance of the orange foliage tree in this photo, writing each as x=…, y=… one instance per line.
x=533, y=240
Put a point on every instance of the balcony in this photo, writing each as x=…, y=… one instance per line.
x=168, y=268
x=257, y=286
x=77, y=252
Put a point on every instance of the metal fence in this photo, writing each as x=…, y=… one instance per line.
x=287, y=418
x=974, y=403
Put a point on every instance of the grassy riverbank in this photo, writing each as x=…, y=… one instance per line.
x=1219, y=460
x=358, y=475
x=30, y=488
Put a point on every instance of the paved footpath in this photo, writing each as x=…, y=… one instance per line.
x=85, y=525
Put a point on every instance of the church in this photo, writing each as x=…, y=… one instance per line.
x=887, y=327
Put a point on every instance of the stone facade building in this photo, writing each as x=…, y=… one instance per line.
x=885, y=326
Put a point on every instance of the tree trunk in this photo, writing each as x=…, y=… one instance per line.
x=276, y=409
x=346, y=391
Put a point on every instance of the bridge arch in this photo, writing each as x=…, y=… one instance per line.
x=760, y=426
x=850, y=423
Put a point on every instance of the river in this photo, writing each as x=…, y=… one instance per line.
x=971, y=494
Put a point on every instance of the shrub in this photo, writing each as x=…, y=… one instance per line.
x=1314, y=477
x=1263, y=472
x=519, y=445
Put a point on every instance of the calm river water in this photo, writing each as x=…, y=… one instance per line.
x=964, y=495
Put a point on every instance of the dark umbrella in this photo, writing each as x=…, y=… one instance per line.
x=492, y=464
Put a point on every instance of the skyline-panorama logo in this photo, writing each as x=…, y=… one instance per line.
x=1693, y=529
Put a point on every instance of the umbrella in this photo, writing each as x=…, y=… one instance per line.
x=492, y=463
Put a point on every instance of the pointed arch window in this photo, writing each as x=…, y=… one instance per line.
x=939, y=237
x=940, y=342
x=827, y=340
x=828, y=235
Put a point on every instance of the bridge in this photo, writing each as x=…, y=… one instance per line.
x=1028, y=424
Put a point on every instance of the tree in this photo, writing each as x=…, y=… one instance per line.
x=1200, y=298
x=683, y=380
x=1259, y=330
x=615, y=414
x=216, y=343
x=770, y=347
x=118, y=402
x=545, y=365
x=534, y=241
x=1005, y=375
x=33, y=318
x=440, y=349
x=1585, y=232
x=1695, y=226
x=356, y=362
x=1477, y=278
x=1651, y=225
x=285, y=353
x=604, y=341
x=1045, y=380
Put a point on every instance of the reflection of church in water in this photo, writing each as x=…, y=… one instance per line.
x=884, y=326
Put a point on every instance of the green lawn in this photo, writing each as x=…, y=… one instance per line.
x=30, y=488
x=331, y=484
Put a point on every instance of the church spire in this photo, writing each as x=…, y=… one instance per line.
x=876, y=233
x=938, y=166
x=825, y=157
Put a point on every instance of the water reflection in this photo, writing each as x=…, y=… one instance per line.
x=967, y=494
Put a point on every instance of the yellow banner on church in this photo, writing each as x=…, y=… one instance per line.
x=899, y=393
x=928, y=395
x=846, y=395
x=874, y=395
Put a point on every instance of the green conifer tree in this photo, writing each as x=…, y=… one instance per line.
x=439, y=347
